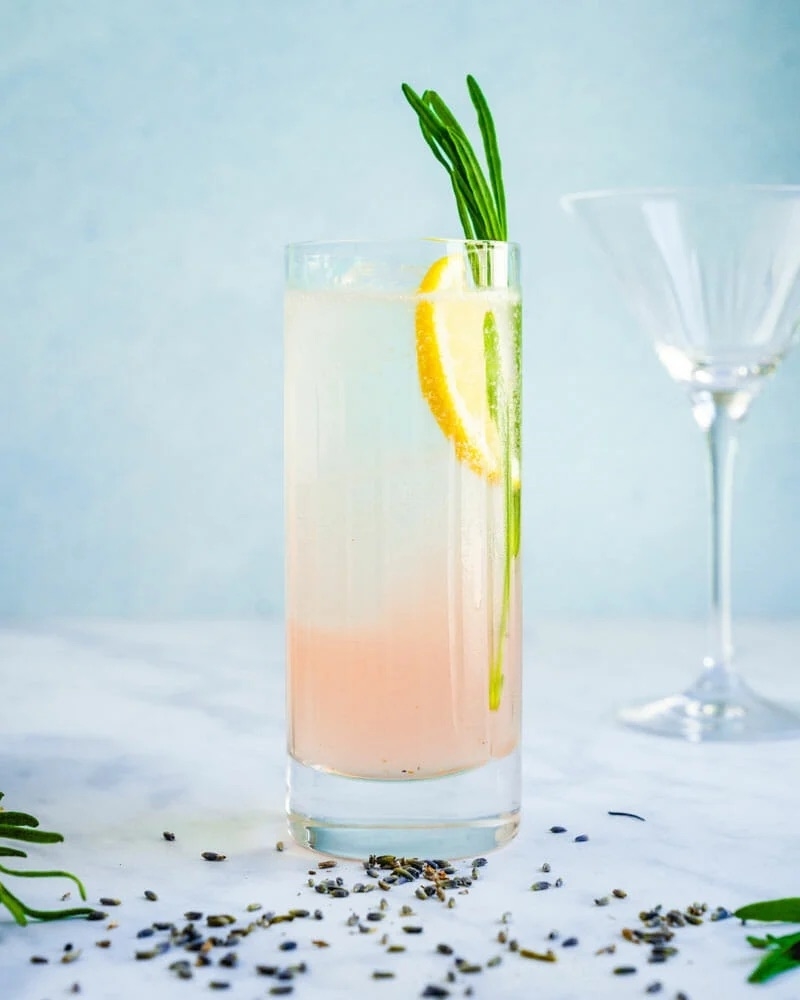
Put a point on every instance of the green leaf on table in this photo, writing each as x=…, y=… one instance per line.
x=16, y=819
x=786, y=911
x=30, y=836
x=23, y=826
x=782, y=955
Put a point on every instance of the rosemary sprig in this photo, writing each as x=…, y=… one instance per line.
x=24, y=827
x=481, y=206
x=781, y=953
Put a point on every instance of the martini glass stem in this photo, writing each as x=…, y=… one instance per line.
x=722, y=439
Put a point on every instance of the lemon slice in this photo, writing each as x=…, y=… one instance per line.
x=451, y=363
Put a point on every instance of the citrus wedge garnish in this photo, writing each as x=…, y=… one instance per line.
x=451, y=362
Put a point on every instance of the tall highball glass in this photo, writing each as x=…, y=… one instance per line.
x=402, y=498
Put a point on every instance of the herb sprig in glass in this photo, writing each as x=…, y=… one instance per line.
x=481, y=206
x=23, y=827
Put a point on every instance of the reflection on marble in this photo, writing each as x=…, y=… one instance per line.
x=115, y=732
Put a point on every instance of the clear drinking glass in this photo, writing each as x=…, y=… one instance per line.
x=402, y=494
x=714, y=276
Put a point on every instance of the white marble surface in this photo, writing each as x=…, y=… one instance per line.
x=115, y=732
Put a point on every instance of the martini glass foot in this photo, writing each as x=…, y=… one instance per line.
x=702, y=714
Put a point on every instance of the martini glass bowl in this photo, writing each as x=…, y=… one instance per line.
x=713, y=276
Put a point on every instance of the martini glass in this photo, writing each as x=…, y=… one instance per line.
x=714, y=276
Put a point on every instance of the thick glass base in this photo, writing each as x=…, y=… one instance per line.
x=711, y=711
x=452, y=816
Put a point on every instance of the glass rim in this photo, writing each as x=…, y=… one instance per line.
x=320, y=246
x=710, y=191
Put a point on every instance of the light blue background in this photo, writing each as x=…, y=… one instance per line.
x=155, y=155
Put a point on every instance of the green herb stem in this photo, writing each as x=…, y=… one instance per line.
x=481, y=207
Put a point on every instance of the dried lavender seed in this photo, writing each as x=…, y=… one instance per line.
x=318, y=914
x=168, y=835
x=96, y=915
x=279, y=845
x=569, y=942
x=540, y=886
x=558, y=829
x=70, y=955
x=479, y=862
x=212, y=856
x=558, y=883
x=601, y=901
x=230, y=960
x=619, y=893
x=431, y=990
x=109, y=901
x=444, y=949
x=494, y=961
x=149, y=894
x=193, y=915
x=581, y=838
x=624, y=970
x=396, y=948
x=382, y=974
x=145, y=932
x=144, y=955
x=287, y=945
x=327, y=864
x=281, y=991
x=162, y=925
x=105, y=943
x=654, y=987
x=375, y=915
x=218, y=984
x=545, y=868
x=39, y=960
x=412, y=929
x=451, y=903
x=552, y=936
